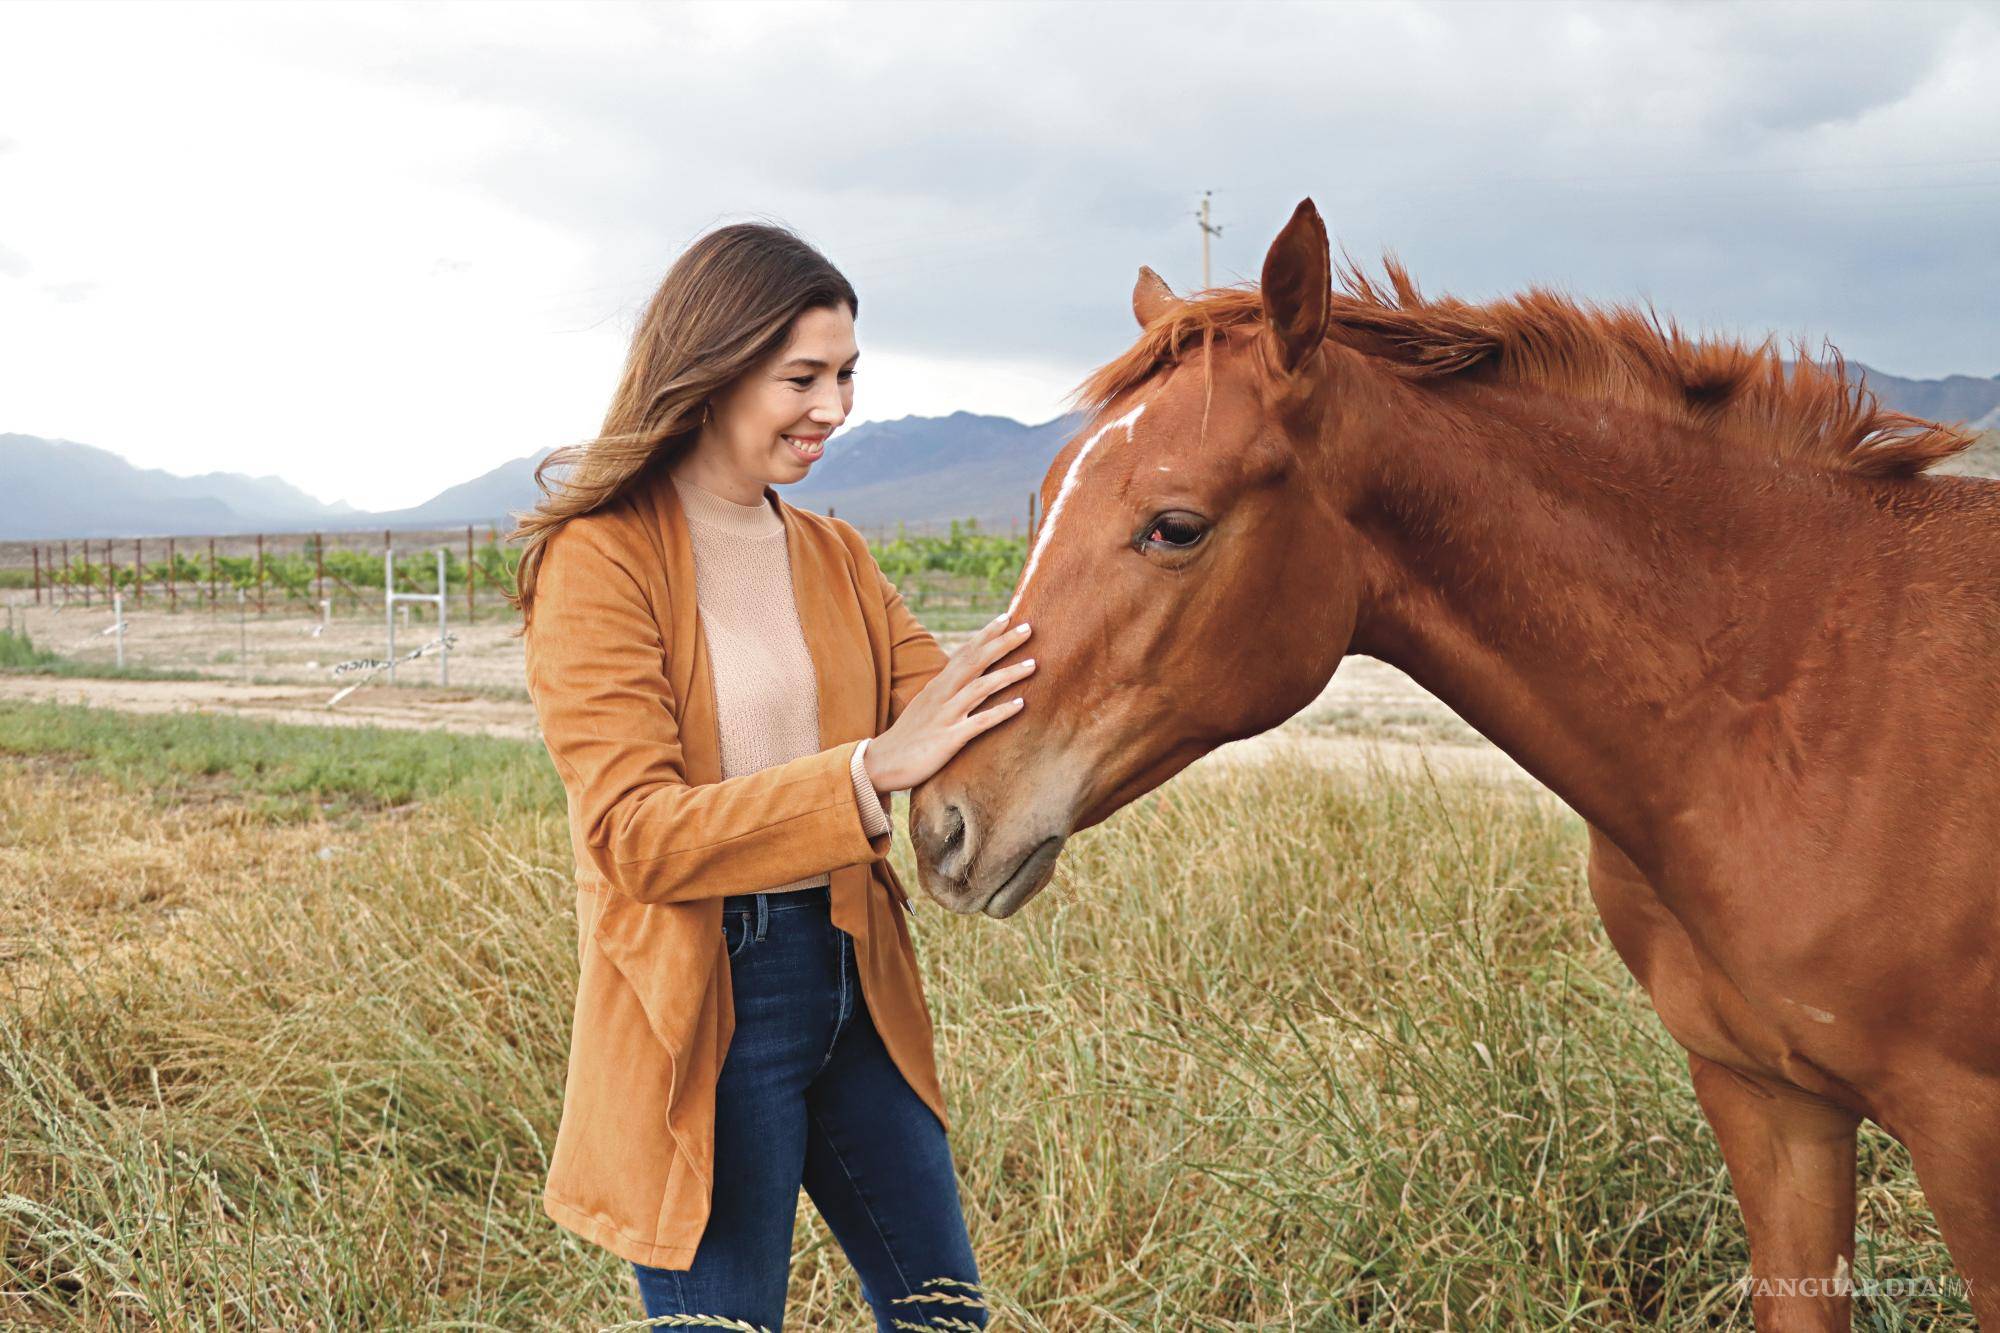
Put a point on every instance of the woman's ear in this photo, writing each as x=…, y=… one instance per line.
x=1298, y=286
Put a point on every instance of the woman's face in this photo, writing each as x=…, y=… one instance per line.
x=770, y=426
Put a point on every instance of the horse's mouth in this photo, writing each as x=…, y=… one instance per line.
x=1028, y=879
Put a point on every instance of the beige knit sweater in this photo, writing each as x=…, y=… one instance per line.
x=766, y=690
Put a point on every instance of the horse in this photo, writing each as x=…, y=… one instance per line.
x=1715, y=602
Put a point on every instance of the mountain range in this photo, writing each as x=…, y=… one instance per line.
x=923, y=471
x=918, y=470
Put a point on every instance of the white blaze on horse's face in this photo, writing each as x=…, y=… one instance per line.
x=1175, y=610
x=1063, y=492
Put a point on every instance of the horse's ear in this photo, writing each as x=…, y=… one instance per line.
x=1298, y=286
x=1151, y=297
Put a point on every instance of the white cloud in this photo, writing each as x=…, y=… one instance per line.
x=379, y=248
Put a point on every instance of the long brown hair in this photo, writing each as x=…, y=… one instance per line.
x=726, y=304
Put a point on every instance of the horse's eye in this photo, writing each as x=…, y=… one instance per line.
x=1177, y=530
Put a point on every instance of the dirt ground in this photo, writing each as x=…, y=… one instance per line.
x=281, y=669
x=290, y=648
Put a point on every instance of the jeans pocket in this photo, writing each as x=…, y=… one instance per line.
x=738, y=931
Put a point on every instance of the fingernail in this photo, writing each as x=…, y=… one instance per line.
x=1021, y=628
x=1027, y=661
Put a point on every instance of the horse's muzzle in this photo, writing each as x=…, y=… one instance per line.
x=964, y=868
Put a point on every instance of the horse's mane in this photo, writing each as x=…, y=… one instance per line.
x=1809, y=410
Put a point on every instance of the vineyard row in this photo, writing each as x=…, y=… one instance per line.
x=965, y=564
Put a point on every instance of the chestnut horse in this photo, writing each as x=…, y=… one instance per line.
x=1716, y=606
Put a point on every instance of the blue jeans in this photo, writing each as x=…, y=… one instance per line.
x=808, y=1096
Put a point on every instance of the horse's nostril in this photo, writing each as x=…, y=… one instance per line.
x=954, y=835
x=941, y=837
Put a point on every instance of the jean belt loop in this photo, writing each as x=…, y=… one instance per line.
x=763, y=915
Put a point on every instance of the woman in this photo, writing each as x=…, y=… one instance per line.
x=728, y=686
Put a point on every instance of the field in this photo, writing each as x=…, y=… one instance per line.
x=1288, y=1045
x=262, y=627
x=280, y=668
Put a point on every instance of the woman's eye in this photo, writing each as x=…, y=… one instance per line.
x=803, y=381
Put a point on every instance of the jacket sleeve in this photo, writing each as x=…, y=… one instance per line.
x=597, y=671
x=914, y=656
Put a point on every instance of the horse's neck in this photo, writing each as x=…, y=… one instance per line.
x=1600, y=608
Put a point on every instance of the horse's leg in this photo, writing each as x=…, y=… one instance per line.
x=1960, y=1172
x=1791, y=1160
x=1790, y=1156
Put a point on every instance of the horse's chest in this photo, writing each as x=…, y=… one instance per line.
x=1692, y=997
x=1730, y=1013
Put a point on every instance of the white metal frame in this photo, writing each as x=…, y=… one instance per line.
x=118, y=624
x=389, y=599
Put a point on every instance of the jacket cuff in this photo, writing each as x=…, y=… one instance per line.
x=874, y=819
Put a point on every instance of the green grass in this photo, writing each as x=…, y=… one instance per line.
x=19, y=654
x=1283, y=1048
x=286, y=768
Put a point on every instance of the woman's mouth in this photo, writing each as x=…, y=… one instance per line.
x=806, y=448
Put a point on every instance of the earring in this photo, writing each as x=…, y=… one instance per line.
x=707, y=414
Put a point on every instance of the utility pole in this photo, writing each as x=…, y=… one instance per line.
x=1208, y=229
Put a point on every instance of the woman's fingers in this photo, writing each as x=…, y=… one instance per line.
x=998, y=647
x=986, y=718
x=970, y=657
x=1004, y=643
x=979, y=652
x=978, y=689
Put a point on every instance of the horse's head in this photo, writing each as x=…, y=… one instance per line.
x=1180, y=587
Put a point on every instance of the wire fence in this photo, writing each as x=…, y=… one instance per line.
x=960, y=564
x=274, y=573
x=331, y=607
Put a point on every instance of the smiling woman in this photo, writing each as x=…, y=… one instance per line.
x=748, y=330
x=774, y=422
x=727, y=686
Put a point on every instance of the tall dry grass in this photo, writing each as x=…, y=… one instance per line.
x=1282, y=1049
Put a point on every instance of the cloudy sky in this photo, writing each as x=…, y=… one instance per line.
x=379, y=248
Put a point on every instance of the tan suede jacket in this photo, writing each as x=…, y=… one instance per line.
x=618, y=670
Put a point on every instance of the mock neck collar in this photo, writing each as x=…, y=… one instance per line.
x=717, y=511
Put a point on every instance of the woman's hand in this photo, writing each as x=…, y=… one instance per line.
x=939, y=721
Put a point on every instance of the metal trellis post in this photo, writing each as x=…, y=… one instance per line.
x=389, y=599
